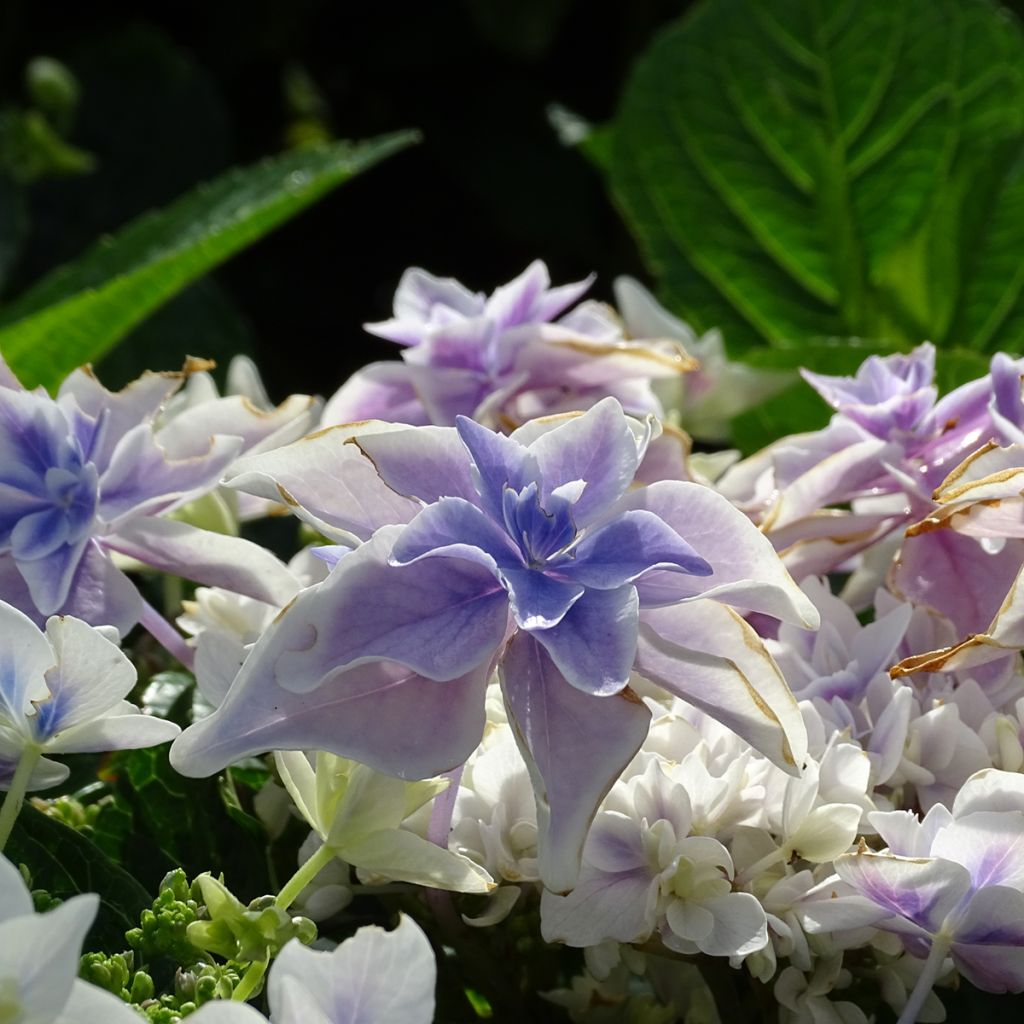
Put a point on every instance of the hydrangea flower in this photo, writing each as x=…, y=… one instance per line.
x=501, y=359
x=39, y=956
x=358, y=814
x=62, y=692
x=644, y=871
x=951, y=885
x=529, y=553
x=89, y=474
x=375, y=977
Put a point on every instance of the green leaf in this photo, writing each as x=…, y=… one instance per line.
x=80, y=311
x=802, y=169
x=66, y=863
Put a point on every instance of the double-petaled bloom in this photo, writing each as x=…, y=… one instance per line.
x=93, y=473
x=530, y=554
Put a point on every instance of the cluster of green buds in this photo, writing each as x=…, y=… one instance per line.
x=42, y=899
x=163, y=929
x=234, y=931
x=117, y=974
x=68, y=811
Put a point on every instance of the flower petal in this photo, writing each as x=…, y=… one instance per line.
x=706, y=654
x=603, y=906
x=214, y=559
x=374, y=976
x=597, y=447
x=594, y=643
x=627, y=547
x=454, y=527
x=440, y=616
x=747, y=571
x=381, y=714
x=989, y=944
x=575, y=746
x=327, y=482
x=921, y=890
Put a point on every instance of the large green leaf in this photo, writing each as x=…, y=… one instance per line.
x=799, y=169
x=80, y=311
x=66, y=863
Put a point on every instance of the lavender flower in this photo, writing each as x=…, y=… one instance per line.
x=89, y=474
x=527, y=553
x=502, y=359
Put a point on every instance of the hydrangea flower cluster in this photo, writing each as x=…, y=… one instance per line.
x=734, y=735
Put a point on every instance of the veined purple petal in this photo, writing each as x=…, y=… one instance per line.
x=629, y=546
x=214, y=559
x=456, y=529
x=499, y=462
x=539, y=601
x=924, y=891
x=442, y=617
x=575, y=746
x=142, y=479
x=423, y=299
x=381, y=714
x=707, y=655
x=990, y=844
x=447, y=392
x=328, y=482
x=747, y=571
x=379, y=391
x=594, y=645
x=597, y=447
x=49, y=579
x=989, y=945
x=425, y=464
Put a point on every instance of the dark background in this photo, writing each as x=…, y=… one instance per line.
x=172, y=94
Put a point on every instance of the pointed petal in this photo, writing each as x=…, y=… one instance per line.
x=706, y=654
x=454, y=527
x=628, y=546
x=381, y=391
x=381, y=714
x=575, y=746
x=215, y=559
x=129, y=730
x=143, y=479
x=407, y=857
x=498, y=462
x=15, y=900
x=746, y=570
x=440, y=616
x=327, y=482
x=594, y=644
x=426, y=464
x=597, y=447
x=923, y=890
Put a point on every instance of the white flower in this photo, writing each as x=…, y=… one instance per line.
x=358, y=813
x=62, y=692
x=643, y=870
x=39, y=956
x=375, y=977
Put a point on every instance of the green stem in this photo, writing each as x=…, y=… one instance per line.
x=250, y=981
x=287, y=896
x=16, y=793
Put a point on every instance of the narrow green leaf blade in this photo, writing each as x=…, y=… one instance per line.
x=82, y=310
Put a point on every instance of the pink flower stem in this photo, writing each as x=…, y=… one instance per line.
x=167, y=636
